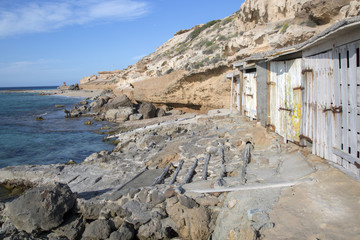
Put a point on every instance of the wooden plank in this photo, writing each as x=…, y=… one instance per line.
x=346, y=156
x=351, y=74
x=338, y=89
x=344, y=98
x=173, y=179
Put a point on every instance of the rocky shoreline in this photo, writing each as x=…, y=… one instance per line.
x=121, y=195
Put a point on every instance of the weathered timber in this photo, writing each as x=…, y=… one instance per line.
x=161, y=178
x=221, y=180
x=188, y=177
x=173, y=179
x=246, y=161
x=205, y=168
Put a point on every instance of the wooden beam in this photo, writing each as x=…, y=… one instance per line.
x=161, y=178
x=345, y=156
x=173, y=179
x=205, y=168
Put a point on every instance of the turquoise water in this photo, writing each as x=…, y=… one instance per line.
x=23, y=140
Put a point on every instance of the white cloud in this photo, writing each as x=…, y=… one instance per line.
x=45, y=16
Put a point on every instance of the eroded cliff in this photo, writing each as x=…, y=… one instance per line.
x=189, y=68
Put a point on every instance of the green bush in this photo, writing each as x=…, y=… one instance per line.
x=198, y=30
x=284, y=28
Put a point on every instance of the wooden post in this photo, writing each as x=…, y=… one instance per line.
x=221, y=180
x=173, y=179
x=205, y=168
x=246, y=160
x=231, y=95
x=161, y=178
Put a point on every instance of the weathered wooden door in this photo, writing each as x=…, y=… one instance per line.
x=237, y=94
x=285, y=98
x=346, y=141
x=249, y=96
x=318, y=101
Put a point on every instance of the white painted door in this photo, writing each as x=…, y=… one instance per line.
x=346, y=143
x=249, y=96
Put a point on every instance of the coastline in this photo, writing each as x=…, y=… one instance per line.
x=60, y=92
x=122, y=188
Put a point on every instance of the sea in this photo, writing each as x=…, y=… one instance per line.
x=56, y=139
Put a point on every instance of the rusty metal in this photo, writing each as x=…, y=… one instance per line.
x=298, y=88
x=285, y=109
x=306, y=71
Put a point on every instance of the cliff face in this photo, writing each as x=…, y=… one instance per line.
x=189, y=68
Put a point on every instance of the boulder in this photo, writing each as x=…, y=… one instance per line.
x=89, y=210
x=136, y=116
x=72, y=228
x=138, y=215
x=83, y=102
x=125, y=232
x=148, y=110
x=151, y=230
x=121, y=114
x=41, y=208
x=99, y=229
x=119, y=101
x=160, y=112
x=192, y=223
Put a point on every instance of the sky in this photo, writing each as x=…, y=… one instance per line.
x=48, y=42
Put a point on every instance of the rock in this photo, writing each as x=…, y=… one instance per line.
x=83, y=102
x=125, y=232
x=158, y=212
x=188, y=202
x=192, y=223
x=71, y=228
x=160, y=112
x=90, y=210
x=151, y=230
x=59, y=106
x=136, y=116
x=207, y=201
x=170, y=192
x=156, y=198
x=39, y=118
x=7, y=228
x=138, y=215
x=89, y=122
x=70, y=162
x=41, y=208
x=99, y=229
x=114, y=210
x=119, y=101
x=148, y=110
x=75, y=112
x=121, y=114
x=176, y=112
x=98, y=104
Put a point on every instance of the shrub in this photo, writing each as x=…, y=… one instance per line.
x=284, y=28
x=198, y=30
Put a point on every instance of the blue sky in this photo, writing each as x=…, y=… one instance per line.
x=48, y=42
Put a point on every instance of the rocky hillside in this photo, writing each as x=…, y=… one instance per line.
x=188, y=70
